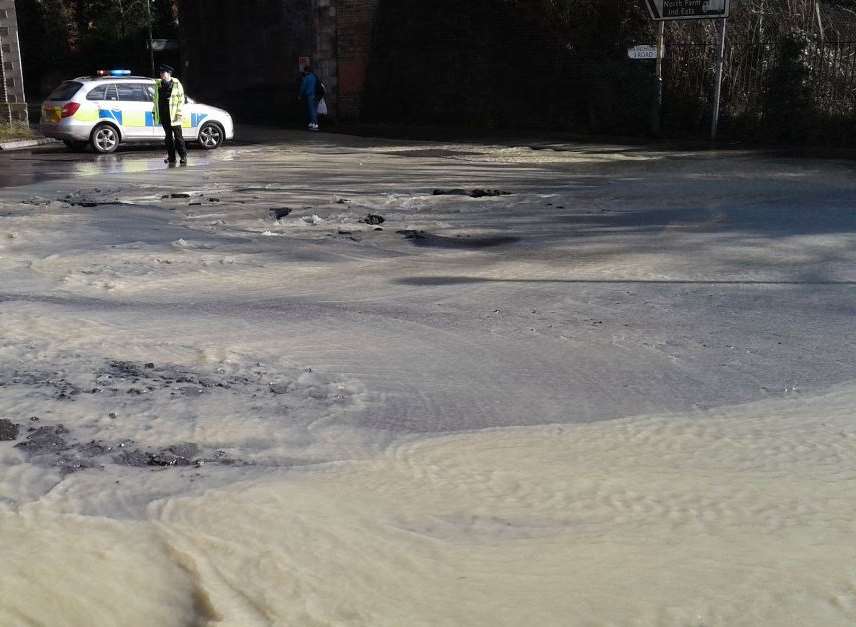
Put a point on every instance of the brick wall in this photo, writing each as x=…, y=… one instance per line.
x=483, y=62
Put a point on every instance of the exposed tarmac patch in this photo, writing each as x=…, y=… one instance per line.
x=132, y=389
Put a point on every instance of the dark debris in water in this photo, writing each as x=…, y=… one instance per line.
x=8, y=430
x=61, y=387
x=177, y=455
x=49, y=446
x=131, y=376
x=127, y=384
x=45, y=439
x=464, y=242
x=279, y=213
x=120, y=379
x=55, y=446
x=474, y=193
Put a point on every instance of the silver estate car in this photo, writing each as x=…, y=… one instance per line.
x=105, y=111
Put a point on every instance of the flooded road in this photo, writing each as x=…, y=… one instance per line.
x=344, y=381
x=50, y=163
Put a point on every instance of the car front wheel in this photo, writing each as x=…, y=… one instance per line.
x=104, y=139
x=211, y=136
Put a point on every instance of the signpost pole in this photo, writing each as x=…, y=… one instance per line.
x=720, y=60
x=658, y=113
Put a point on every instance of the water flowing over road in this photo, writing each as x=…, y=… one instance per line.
x=344, y=381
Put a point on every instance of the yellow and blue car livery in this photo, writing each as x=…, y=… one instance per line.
x=78, y=110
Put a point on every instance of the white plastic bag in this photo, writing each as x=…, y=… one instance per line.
x=322, y=107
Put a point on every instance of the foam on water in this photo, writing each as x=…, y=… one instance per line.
x=738, y=518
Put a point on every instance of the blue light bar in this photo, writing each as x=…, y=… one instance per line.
x=120, y=72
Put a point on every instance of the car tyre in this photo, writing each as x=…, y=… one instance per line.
x=211, y=136
x=104, y=139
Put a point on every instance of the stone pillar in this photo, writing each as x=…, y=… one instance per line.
x=355, y=24
x=13, y=105
x=324, y=57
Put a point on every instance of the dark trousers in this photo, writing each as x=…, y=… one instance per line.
x=312, y=109
x=174, y=140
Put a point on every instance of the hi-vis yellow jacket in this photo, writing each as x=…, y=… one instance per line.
x=176, y=102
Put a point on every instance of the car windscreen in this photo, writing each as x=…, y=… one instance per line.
x=65, y=91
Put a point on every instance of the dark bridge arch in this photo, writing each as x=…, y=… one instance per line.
x=244, y=55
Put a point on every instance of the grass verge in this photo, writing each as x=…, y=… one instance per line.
x=15, y=131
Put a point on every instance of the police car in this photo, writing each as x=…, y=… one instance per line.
x=114, y=107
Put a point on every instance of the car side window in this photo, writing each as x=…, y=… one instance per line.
x=150, y=92
x=99, y=93
x=112, y=94
x=132, y=92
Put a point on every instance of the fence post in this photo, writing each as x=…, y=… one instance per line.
x=720, y=61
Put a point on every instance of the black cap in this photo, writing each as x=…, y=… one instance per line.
x=166, y=68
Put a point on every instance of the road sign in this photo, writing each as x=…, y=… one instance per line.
x=688, y=9
x=159, y=45
x=643, y=52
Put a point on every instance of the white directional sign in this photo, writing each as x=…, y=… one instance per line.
x=159, y=45
x=643, y=52
x=687, y=9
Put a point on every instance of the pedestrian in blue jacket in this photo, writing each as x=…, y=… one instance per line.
x=308, y=93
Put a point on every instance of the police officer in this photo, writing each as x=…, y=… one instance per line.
x=168, y=107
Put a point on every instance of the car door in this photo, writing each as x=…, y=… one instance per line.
x=137, y=114
x=107, y=99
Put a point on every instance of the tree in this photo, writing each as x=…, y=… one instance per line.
x=62, y=38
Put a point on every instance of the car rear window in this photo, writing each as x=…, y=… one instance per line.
x=65, y=91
